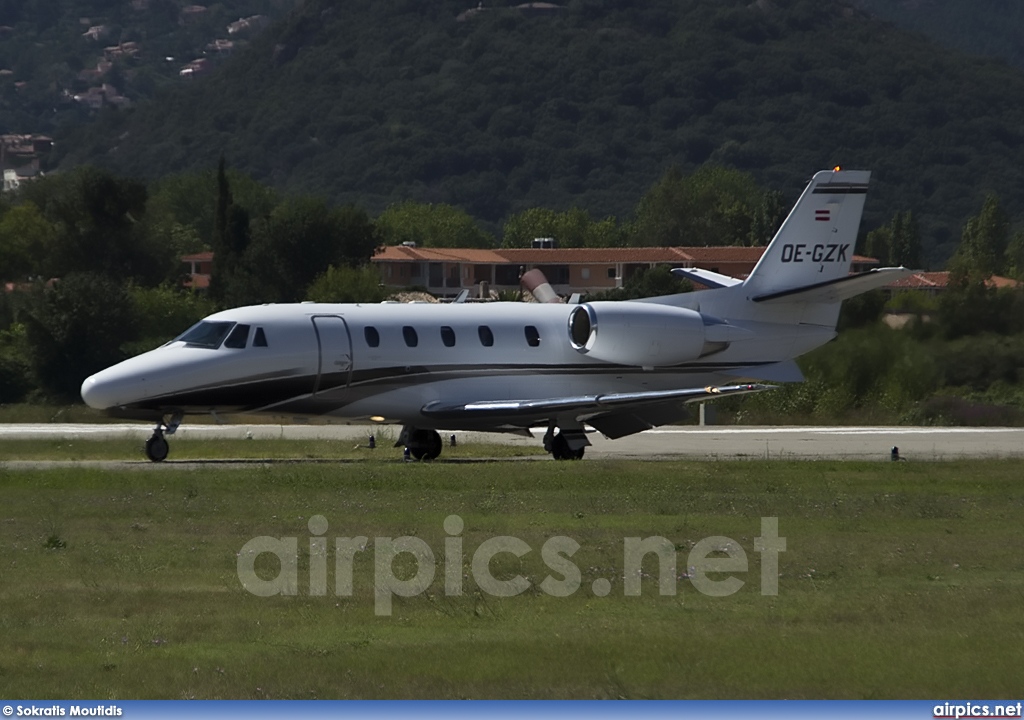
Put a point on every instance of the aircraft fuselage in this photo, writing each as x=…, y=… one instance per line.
x=387, y=361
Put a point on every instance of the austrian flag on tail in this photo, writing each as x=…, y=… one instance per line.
x=823, y=215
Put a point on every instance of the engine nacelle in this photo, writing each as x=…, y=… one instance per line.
x=643, y=334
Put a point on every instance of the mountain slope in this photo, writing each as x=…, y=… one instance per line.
x=61, y=59
x=981, y=27
x=588, y=105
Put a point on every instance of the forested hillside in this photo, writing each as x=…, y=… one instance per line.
x=61, y=61
x=588, y=105
x=980, y=27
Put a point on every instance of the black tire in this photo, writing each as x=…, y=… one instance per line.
x=426, y=445
x=560, y=449
x=434, y=445
x=157, y=448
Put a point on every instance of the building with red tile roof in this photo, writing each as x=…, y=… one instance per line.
x=936, y=282
x=446, y=271
x=200, y=269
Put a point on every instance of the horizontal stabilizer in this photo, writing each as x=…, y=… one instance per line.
x=582, y=405
x=838, y=289
x=707, y=278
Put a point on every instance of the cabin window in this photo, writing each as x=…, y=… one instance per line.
x=409, y=333
x=486, y=336
x=447, y=336
x=372, y=336
x=238, y=337
x=532, y=336
x=206, y=334
x=259, y=339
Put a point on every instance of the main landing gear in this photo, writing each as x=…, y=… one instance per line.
x=568, y=443
x=157, y=447
x=564, y=442
x=423, y=444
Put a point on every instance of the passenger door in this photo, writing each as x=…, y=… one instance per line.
x=335, y=366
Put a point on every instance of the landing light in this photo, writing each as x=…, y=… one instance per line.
x=377, y=418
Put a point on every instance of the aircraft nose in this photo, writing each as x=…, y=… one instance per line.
x=96, y=393
x=106, y=389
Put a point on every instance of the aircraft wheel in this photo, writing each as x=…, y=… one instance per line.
x=157, y=448
x=426, y=445
x=560, y=449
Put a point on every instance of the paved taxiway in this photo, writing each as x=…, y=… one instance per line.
x=862, y=443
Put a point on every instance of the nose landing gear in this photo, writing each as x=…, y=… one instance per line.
x=157, y=447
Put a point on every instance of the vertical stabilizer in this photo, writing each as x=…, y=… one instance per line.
x=804, y=274
x=816, y=242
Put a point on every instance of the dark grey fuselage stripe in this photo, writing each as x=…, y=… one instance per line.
x=365, y=383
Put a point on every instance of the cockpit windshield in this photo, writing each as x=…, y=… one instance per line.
x=206, y=334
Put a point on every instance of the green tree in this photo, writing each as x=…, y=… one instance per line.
x=982, y=249
x=897, y=243
x=572, y=228
x=970, y=304
x=861, y=310
x=230, y=238
x=25, y=237
x=878, y=244
x=78, y=329
x=520, y=229
x=15, y=371
x=299, y=241
x=430, y=226
x=345, y=284
x=1015, y=256
x=97, y=219
x=714, y=206
x=905, y=247
x=182, y=211
x=648, y=282
x=164, y=312
x=767, y=218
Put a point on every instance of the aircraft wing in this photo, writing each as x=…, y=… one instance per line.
x=582, y=406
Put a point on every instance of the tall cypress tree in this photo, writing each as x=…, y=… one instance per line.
x=230, y=237
x=905, y=246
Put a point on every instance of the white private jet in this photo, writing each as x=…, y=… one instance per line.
x=620, y=367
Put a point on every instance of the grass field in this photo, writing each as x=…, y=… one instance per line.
x=81, y=413
x=899, y=580
x=193, y=448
